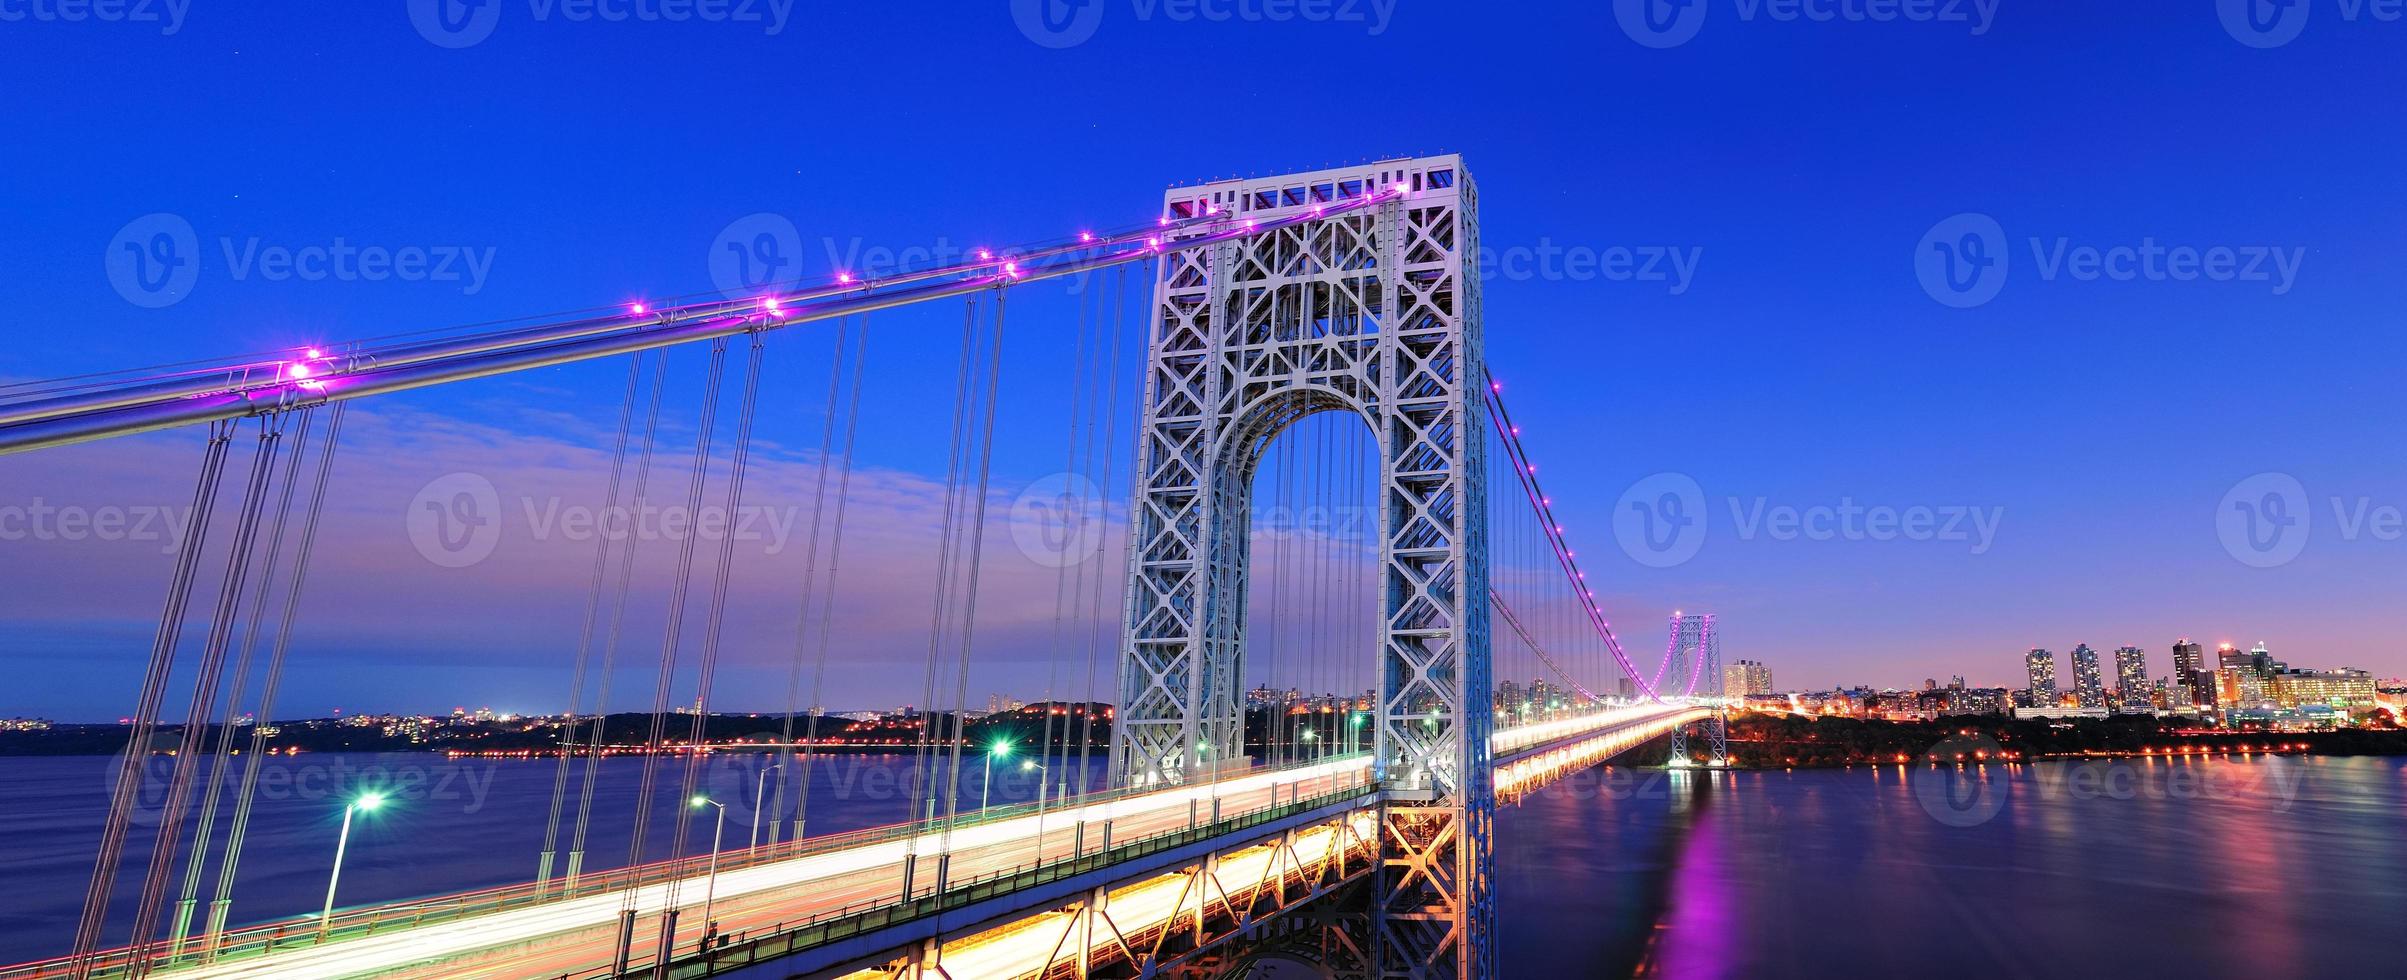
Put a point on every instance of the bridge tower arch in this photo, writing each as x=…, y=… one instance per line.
x=1376, y=312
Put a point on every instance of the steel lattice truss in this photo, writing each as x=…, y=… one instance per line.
x=1373, y=313
x=1697, y=649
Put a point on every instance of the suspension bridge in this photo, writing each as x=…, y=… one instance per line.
x=1348, y=833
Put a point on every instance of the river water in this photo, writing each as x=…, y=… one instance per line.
x=2267, y=866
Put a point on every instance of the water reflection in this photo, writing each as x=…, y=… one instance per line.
x=2203, y=868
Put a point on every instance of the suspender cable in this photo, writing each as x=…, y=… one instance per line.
x=1111, y=375
x=924, y=754
x=593, y=611
x=222, y=759
x=680, y=585
x=977, y=545
x=146, y=709
x=222, y=899
x=1062, y=585
x=715, y=620
x=810, y=572
x=618, y=613
x=192, y=747
x=827, y=597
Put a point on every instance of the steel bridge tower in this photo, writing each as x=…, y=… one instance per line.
x=1375, y=313
x=1697, y=646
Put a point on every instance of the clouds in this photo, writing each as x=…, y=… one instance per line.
x=375, y=600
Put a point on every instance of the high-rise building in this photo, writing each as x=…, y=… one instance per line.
x=2343, y=688
x=2131, y=677
x=2191, y=680
x=1746, y=677
x=2088, y=684
x=2040, y=666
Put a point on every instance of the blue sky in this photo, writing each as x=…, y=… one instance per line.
x=2103, y=422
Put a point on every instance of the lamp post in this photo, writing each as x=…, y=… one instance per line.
x=986, y=784
x=367, y=802
x=761, y=802
x=1312, y=751
x=710, y=886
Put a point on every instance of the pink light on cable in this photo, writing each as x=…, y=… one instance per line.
x=984, y=255
x=635, y=308
x=297, y=371
x=844, y=277
x=315, y=354
x=1086, y=236
x=769, y=303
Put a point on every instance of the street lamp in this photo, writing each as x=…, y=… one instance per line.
x=365, y=802
x=710, y=887
x=1313, y=750
x=761, y=802
x=986, y=784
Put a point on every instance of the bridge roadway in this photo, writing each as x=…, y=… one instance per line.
x=577, y=937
